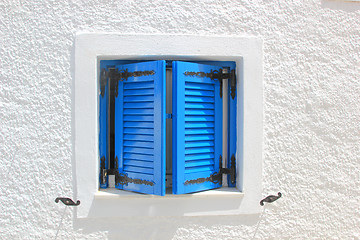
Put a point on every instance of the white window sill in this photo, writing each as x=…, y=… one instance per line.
x=220, y=192
x=112, y=203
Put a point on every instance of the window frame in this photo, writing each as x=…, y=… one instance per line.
x=90, y=48
x=229, y=145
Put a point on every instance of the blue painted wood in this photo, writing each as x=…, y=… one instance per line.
x=119, y=134
x=232, y=130
x=197, y=127
x=140, y=127
x=232, y=107
x=104, y=131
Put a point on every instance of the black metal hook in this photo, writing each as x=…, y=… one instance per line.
x=270, y=199
x=67, y=201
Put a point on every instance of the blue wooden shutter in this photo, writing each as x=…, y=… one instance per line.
x=103, y=128
x=140, y=128
x=197, y=128
x=232, y=111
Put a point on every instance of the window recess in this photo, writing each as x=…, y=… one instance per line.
x=161, y=125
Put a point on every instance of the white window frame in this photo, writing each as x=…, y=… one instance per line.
x=90, y=48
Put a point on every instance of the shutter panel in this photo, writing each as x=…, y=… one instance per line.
x=140, y=128
x=197, y=128
x=103, y=128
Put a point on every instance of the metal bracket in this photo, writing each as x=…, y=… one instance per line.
x=122, y=178
x=232, y=84
x=123, y=75
x=214, y=178
x=117, y=75
x=221, y=87
x=216, y=75
x=270, y=199
x=67, y=201
x=217, y=176
x=103, y=170
x=213, y=74
x=230, y=171
x=103, y=81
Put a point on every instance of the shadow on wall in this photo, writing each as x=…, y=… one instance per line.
x=344, y=5
x=164, y=227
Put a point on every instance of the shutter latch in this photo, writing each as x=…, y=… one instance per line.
x=67, y=201
x=270, y=199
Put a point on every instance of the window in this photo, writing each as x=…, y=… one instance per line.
x=135, y=118
x=91, y=48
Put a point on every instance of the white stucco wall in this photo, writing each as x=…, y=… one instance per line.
x=311, y=115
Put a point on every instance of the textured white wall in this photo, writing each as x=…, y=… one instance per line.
x=311, y=109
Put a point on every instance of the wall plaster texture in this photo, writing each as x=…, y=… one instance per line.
x=311, y=115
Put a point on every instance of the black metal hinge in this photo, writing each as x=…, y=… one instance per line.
x=217, y=177
x=216, y=75
x=120, y=178
x=123, y=179
x=214, y=178
x=232, y=84
x=230, y=171
x=103, y=170
x=103, y=81
x=114, y=74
